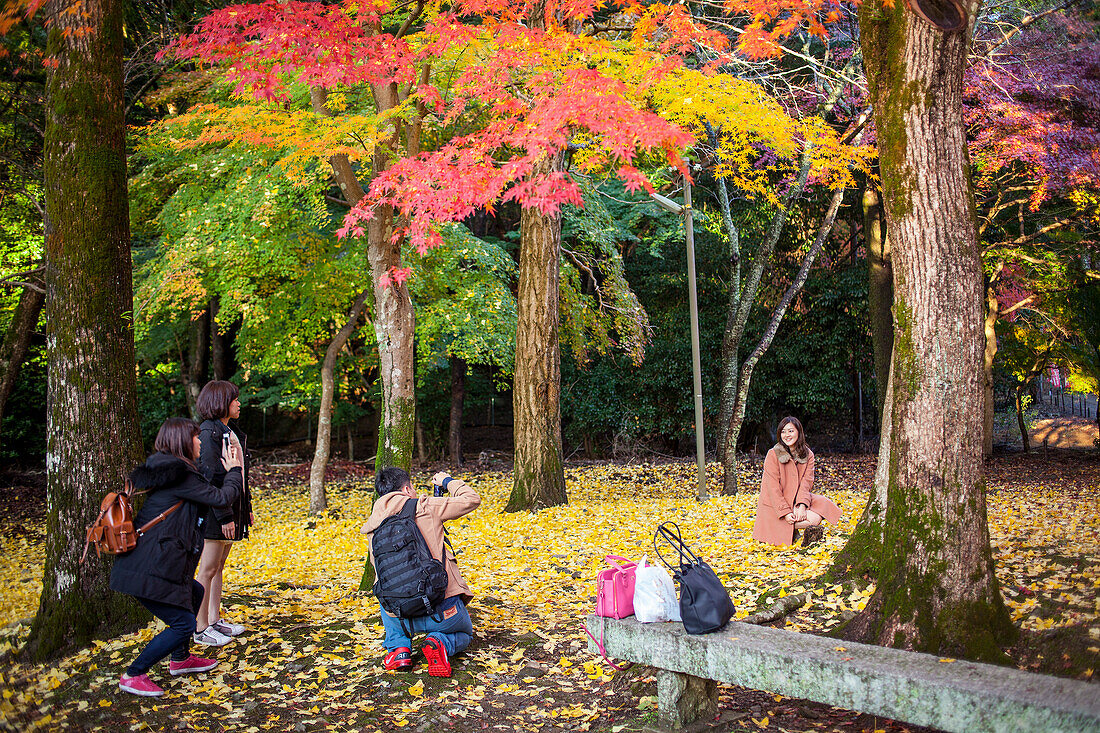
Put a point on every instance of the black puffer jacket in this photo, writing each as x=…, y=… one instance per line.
x=211, y=434
x=163, y=564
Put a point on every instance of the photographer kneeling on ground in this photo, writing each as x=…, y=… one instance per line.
x=419, y=594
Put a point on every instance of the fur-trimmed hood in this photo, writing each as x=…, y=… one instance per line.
x=784, y=456
x=159, y=471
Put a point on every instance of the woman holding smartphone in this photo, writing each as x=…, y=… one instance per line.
x=218, y=403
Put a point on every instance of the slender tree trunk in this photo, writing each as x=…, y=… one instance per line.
x=1024, y=438
x=936, y=589
x=539, y=477
x=732, y=389
x=744, y=377
x=992, y=313
x=17, y=340
x=458, y=396
x=92, y=434
x=880, y=290
x=318, y=502
x=394, y=322
x=219, y=345
x=199, y=357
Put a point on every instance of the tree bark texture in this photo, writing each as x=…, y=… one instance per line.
x=93, y=435
x=322, y=450
x=539, y=477
x=458, y=397
x=17, y=341
x=936, y=589
x=880, y=290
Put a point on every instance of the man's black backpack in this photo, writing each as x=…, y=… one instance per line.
x=411, y=583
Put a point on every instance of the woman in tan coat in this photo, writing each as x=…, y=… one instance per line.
x=786, y=502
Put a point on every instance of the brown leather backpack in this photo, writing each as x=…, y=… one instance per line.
x=113, y=531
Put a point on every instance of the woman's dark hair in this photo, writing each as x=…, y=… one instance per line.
x=175, y=436
x=215, y=398
x=391, y=479
x=801, y=450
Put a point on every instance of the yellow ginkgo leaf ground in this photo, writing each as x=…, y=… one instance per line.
x=311, y=658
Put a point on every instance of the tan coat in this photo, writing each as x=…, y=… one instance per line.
x=431, y=513
x=787, y=481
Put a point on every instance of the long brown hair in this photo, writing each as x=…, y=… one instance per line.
x=801, y=450
x=176, y=437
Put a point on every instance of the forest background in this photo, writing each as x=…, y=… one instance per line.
x=239, y=272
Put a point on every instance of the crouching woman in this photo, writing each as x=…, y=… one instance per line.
x=160, y=571
x=786, y=502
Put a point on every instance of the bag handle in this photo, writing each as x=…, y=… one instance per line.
x=610, y=560
x=600, y=646
x=685, y=555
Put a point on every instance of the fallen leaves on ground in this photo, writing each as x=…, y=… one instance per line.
x=311, y=659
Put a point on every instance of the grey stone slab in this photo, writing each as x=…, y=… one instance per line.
x=906, y=686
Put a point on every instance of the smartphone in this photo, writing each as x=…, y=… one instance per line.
x=226, y=442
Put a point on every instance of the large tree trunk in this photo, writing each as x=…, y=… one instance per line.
x=17, y=340
x=92, y=435
x=318, y=502
x=539, y=477
x=458, y=396
x=936, y=590
x=880, y=291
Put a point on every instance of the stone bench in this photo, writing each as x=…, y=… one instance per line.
x=906, y=686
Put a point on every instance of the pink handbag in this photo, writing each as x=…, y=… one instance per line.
x=615, y=588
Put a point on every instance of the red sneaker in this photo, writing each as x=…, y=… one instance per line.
x=436, y=654
x=191, y=665
x=399, y=658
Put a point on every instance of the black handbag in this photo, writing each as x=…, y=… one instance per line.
x=705, y=604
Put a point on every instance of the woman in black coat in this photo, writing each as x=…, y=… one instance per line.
x=218, y=403
x=160, y=571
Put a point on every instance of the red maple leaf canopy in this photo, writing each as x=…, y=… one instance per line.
x=533, y=92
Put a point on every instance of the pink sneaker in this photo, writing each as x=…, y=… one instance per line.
x=140, y=685
x=190, y=665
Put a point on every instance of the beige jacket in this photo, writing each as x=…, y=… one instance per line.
x=431, y=513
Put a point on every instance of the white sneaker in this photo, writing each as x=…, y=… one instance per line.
x=228, y=629
x=212, y=637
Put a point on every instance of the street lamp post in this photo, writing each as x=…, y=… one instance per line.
x=693, y=306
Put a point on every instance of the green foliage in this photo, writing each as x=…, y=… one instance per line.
x=462, y=292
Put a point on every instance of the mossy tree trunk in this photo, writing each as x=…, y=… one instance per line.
x=936, y=589
x=93, y=437
x=539, y=478
x=17, y=339
x=318, y=502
